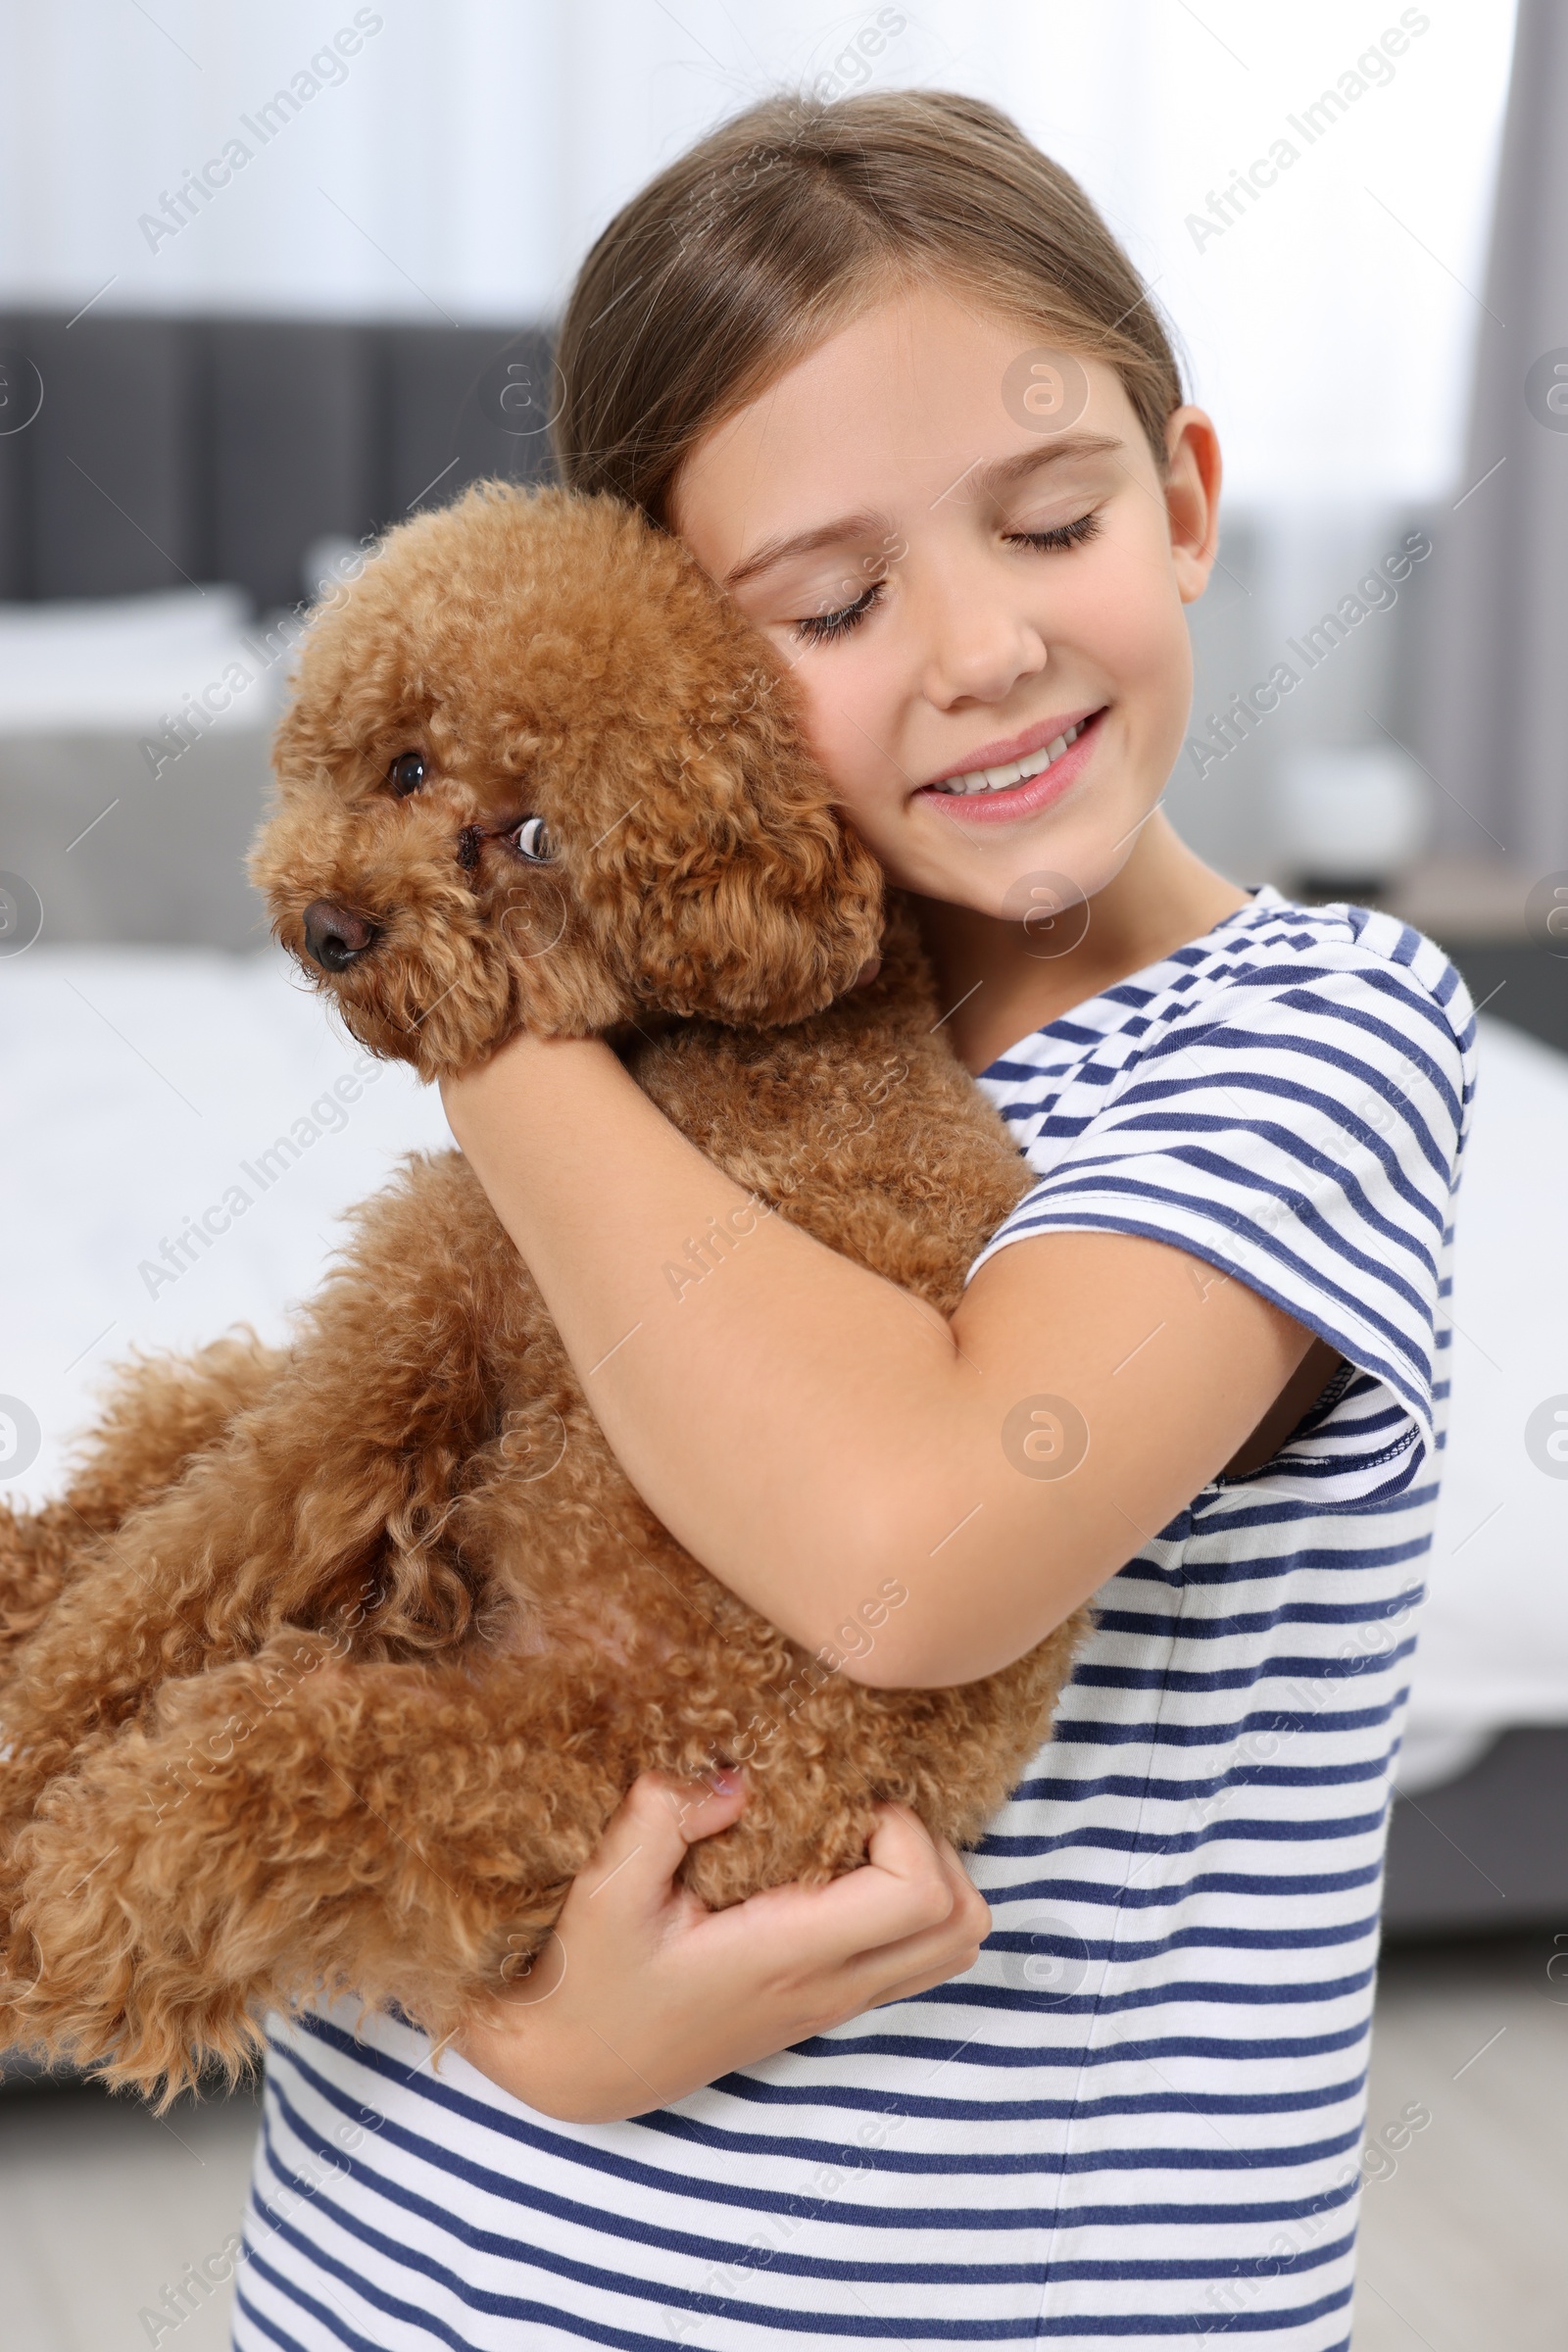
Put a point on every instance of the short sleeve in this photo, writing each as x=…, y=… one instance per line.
x=1297, y=1127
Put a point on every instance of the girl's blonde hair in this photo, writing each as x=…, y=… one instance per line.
x=782, y=225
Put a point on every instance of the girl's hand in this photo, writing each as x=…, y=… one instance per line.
x=643, y=1996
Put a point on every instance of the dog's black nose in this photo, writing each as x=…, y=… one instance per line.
x=334, y=936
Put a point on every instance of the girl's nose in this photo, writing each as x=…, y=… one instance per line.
x=980, y=640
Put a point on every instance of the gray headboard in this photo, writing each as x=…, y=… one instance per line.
x=171, y=449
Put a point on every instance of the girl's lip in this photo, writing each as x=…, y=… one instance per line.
x=1021, y=800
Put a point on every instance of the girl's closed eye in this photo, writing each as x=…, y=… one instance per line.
x=1063, y=534
x=821, y=627
x=816, y=629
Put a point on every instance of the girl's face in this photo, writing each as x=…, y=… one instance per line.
x=960, y=583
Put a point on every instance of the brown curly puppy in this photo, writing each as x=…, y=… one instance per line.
x=368, y=1644
x=159, y=1411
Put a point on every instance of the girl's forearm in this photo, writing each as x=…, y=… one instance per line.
x=817, y=1437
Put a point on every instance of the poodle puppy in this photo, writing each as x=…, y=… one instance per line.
x=363, y=1639
x=159, y=1411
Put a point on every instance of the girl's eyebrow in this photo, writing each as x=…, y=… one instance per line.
x=999, y=475
x=805, y=543
x=1001, y=472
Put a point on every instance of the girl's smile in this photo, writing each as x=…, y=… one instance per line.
x=1005, y=780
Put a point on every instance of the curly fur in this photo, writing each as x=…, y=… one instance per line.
x=329, y=1668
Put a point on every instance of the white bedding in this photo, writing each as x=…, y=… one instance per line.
x=1494, y=1648
x=136, y=1083
x=122, y=665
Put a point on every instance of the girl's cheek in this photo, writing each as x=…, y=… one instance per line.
x=1126, y=615
x=848, y=721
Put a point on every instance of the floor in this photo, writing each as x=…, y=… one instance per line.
x=1465, y=2235
x=103, y=2206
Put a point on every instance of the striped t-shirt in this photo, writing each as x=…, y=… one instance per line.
x=1139, y=2117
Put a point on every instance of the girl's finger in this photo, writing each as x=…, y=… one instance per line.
x=900, y=1972
x=933, y=1954
x=913, y=1881
x=631, y=1869
x=902, y=1894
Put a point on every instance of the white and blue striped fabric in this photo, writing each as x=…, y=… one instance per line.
x=1139, y=2117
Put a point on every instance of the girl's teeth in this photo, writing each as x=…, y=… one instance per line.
x=1015, y=771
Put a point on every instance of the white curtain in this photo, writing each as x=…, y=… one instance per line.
x=1496, y=709
x=453, y=158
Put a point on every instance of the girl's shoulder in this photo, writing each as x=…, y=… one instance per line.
x=1287, y=1100
x=1335, y=996
x=1276, y=943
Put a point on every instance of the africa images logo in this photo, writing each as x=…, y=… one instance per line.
x=1546, y=1437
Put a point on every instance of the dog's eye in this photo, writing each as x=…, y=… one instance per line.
x=533, y=841
x=406, y=773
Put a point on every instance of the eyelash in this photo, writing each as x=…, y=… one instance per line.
x=821, y=627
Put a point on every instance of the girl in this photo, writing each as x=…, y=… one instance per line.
x=882, y=367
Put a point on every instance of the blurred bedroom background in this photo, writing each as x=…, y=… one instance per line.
x=272, y=280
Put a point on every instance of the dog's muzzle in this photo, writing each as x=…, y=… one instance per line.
x=334, y=935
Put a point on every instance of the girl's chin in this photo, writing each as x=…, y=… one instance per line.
x=1018, y=869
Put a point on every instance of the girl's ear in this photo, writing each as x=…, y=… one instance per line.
x=1192, y=498
x=734, y=890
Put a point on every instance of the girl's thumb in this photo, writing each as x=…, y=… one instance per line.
x=661, y=1815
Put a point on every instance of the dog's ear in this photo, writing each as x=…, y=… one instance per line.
x=733, y=887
